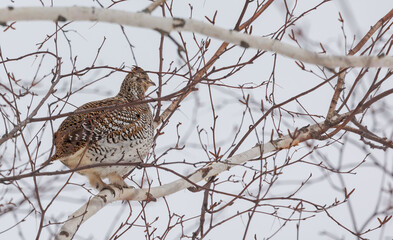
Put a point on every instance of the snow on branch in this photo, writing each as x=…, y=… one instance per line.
x=105, y=197
x=168, y=25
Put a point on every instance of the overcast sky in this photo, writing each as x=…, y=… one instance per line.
x=321, y=26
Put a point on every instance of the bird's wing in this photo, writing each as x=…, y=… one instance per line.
x=79, y=130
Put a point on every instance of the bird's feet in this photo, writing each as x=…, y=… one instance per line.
x=111, y=187
x=117, y=181
x=100, y=185
x=107, y=187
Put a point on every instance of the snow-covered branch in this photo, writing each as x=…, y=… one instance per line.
x=168, y=25
x=105, y=197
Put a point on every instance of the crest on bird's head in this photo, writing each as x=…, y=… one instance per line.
x=135, y=84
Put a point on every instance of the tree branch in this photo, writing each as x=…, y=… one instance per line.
x=147, y=194
x=188, y=25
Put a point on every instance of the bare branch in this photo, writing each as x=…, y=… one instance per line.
x=105, y=197
x=179, y=24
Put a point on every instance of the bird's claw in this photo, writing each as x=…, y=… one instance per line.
x=108, y=187
x=115, y=185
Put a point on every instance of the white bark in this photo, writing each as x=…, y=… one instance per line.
x=105, y=197
x=178, y=24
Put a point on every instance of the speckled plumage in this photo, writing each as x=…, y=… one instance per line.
x=111, y=135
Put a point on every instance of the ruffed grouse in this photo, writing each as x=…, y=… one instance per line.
x=119, y=132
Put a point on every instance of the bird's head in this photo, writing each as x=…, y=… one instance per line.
x=135, y=84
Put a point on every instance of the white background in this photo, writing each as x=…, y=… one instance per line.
x=320, y=26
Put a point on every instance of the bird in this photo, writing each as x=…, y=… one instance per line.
x=112, y=130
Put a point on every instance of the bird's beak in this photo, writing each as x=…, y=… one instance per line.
x=151, y=83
